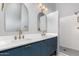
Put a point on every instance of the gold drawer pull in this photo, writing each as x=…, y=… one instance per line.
x=28, y=46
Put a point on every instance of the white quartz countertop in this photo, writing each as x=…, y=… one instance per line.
x=8, y=42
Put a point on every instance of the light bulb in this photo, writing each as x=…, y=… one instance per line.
x=46, y=9
x=43, y=7
x=40, y=5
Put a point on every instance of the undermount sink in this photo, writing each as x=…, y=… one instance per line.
x=7, y=40
x=3, y=42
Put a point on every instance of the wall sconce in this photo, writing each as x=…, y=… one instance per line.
x=43, y=8
x=1, y=6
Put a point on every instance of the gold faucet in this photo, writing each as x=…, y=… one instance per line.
x=43, y=33
x=19, y=36
x=20, y=33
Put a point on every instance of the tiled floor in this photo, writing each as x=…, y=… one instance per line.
x=70, y=52
x=62, y=54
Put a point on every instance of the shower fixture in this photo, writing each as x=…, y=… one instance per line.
x=76, y=13
x=77, y=17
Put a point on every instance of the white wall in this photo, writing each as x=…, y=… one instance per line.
x=51, y=7
x=52, y=22
x=67, y=9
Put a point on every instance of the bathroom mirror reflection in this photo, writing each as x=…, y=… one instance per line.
x=16, y=17
x=42, y=22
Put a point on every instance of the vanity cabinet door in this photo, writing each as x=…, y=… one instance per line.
x=48, y=46
x=52, y=45
x=36, y=49
x=44, y=48
x=27, y=50
x=13, y=52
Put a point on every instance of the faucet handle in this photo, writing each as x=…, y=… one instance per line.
x=38, y=29
x=20, y=32
x=23, y=36
x=19, y=37
x=43, y=33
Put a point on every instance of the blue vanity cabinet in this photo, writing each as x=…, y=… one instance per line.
x=36, y=49
x=12, y=52
x=48, y=46
x=27, y=50
x=17, y=51
x=52, y=45
x=41, y=48
x=44, y=49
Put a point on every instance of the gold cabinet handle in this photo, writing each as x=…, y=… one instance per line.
x=28, y=46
